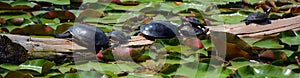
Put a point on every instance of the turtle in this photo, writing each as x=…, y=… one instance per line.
x=197, y=27
x=158, y=29
x=84, y=35
x=118, y=37
x=258, y=18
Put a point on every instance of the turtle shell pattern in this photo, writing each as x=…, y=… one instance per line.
x=159, y=29
x=88, y=33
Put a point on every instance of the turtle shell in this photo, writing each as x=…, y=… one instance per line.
x=257, y=17
x=193, y=20
x=195, y=29
x=159, y=29
x=89, y=35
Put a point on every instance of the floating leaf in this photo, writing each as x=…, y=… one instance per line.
x=219, y=1
x=64, y=69
x=111, y=18
x=207, y=43
x=45, y=21
x=252, y=1
x=250, y=40
x=265, y=71
x=238, y=64
x=291, y=40
x=70, y=75
x=229, y=18
x=103, y=67
x=138, y=75
x=10, y=67
x=289, y=37
x=200, y=70
x=35, y=29
x=202, y=51
x=11, y=14
x=270, y=43
x=58, y=2
x=89, y=1
x=18, y=74
x=20, y=3
x=288, y=52
x=143, y=1
x=62, y=27
x=129, y=8
x=38, y=65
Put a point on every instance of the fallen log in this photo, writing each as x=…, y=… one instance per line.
x=54, y=49
x=45, y=44
x=252, y=30
x=11, y=52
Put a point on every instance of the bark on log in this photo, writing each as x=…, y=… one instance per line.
x=45, y=44
x=53, y=49
x=62, y=45
x=252, y=30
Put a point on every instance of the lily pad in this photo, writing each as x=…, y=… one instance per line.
x=234, y=18
x=266, y=71
x=10, y=67
x=103, y=67
x=18, y=74
x=17, y=3
x=38, y=65
x=269, y=43
x=143, y=1
x=58, y=2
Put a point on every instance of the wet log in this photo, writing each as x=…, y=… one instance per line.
x=44, y=44
x=11, y=52
x=253, y=30
x=53, y=49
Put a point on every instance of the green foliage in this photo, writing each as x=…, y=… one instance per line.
x=270, y=43
x=171, y=58
x=58, y=2
x=289, y=37
x=266, y=71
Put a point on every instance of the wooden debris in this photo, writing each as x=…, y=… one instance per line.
x=62, y=45
x=11, y=52
x=44, y=44
x=138, y=41
x=252, y=30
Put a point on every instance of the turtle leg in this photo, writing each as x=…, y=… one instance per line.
x=64, y=35
x=269, y=22
x=247, y=22
x=265, y=22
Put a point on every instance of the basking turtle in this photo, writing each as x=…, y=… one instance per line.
x=85, y=34
x=197, y=27
x=158, y=29
x=258, y=18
